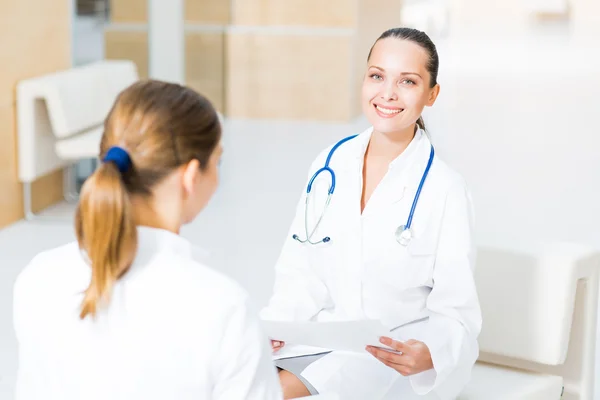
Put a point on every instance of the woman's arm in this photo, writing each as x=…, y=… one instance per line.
x=28, y=385
x=449, y=343
x=244, y=369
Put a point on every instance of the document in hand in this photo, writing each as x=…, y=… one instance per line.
x=351, y=336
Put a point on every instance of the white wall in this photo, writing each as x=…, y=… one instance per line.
x=519, y=118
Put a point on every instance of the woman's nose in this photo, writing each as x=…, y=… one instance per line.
x=388, y=93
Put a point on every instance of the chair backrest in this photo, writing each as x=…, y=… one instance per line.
x=80, y=98
x=61, y=105
x=539, y=310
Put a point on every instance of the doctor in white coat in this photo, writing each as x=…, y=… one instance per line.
x=371, y=257
x=129, y=311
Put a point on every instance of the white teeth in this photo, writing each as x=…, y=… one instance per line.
x=387, y=110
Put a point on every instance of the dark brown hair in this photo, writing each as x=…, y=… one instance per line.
x=160, y=126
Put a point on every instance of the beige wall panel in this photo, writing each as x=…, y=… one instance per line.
x=215, y=12
x=46, y=191
x=325, y=13
x=10, y=191
x=288, y=76
x=11, y=208
x=11, y=200
x=8, y=149
x=128, y=45
x=196, y=11
x=129, y=10
x=35, y=38
x=204, y=65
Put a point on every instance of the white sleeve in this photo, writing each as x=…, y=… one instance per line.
x=298, y=294
x=244, y=369
x=455, y=316
x=28, y=385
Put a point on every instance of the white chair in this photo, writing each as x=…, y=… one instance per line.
x=60, y=117
x=539, y=324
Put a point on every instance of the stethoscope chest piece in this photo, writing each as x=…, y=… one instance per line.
x=403, y=235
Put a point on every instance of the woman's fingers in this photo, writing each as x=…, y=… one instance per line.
x=388, y=357
x=276, y=345
x=408, y=358
x=398, y=346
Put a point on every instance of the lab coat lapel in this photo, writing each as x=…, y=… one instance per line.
x=349, y=163
x=401, y=185
x=350, y=189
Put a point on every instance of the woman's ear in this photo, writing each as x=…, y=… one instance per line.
x=190, y=176
x=433, y=94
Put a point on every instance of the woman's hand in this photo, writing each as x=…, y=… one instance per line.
x=276, y=345
x=414, y=358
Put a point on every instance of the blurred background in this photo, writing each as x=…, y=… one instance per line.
x=517, y=113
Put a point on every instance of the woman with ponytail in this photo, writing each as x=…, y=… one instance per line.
x=127, y=311
x=355, y=252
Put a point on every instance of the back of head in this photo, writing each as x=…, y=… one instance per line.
x=153, y=129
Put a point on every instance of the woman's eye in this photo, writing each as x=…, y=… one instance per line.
x=376, y=76
x=408, y=82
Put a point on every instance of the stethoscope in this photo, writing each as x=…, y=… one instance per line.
x=403, y=233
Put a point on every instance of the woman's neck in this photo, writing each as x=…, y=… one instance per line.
x=389, y=146
x=145, y=215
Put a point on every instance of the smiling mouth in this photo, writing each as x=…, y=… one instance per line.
x=388, y=111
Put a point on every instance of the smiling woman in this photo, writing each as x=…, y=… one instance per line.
x=411, y=62
x=419, y=285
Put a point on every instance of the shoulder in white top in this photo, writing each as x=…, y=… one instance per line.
x=174, y=329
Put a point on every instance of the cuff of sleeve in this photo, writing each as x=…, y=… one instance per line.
x=424, y=382
x=441, y=356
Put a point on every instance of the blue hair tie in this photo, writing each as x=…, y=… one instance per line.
x=120, y=157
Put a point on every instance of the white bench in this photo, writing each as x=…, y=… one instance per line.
x=60, y=117
x=539, y=324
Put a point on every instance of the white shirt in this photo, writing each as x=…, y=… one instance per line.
x=174, y=329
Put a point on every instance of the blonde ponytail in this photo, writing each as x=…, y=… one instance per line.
x=106, y=232
x=152, y=129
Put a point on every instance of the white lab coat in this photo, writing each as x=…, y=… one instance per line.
x=427, y=289
x=174, y=329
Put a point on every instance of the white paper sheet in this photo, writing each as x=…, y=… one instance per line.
x=351, y=336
